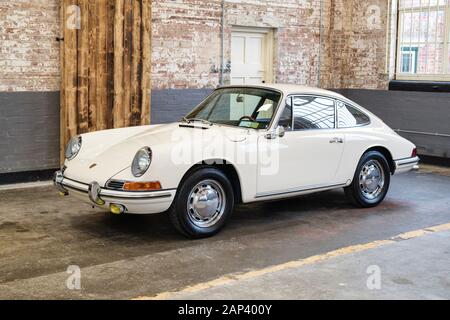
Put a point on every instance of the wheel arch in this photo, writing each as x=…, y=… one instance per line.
x=386, y=153
x=224, y=166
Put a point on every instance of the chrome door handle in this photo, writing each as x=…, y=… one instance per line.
x=337, y=140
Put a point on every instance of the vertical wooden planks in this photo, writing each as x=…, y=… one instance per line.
x=82, y=71
x=127, y=44
x=146, y=61
x=136, y=64
x=110, y=63
x=105, y=66
x=62, y=110
x=92, y=107
x=118, y=108
x=102, y=76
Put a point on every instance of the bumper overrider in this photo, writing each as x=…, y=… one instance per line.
x=116, y=201
x=406, y=165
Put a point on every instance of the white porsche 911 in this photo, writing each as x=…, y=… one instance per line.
x=242, y=144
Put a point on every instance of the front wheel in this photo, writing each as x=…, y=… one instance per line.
x=371, y=181
x=203, y=203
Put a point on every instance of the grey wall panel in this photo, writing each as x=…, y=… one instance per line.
x=172, y=104
x=29, y=124
x=29, y=131
x=29, y=121
x=412, y=111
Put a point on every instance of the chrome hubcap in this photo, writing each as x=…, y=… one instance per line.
x=206, y=203
x=371, y=180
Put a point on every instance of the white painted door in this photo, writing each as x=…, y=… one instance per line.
x=307, y=160
x=309, y=154
x=248, y=58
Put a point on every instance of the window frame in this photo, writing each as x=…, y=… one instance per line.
x=336, y=115
x=355, y=107
x=291, y=96
x=445, y=75
x=281, y=111
x=275, y=114
x=412, y=62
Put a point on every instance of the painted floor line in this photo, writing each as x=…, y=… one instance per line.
x=232, y=278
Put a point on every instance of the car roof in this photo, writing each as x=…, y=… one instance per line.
x=289, y=89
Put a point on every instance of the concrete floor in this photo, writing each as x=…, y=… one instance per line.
x=413, y=269
x=124, y=257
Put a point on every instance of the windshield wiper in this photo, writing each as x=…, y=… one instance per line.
x=197, y=120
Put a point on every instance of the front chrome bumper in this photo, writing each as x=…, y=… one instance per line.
x=58, y=178
x=134, y=202
x=406, y=165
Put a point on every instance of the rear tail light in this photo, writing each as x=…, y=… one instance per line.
x=414, y=153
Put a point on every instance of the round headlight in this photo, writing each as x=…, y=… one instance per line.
x=141, y=162
x=73, y=147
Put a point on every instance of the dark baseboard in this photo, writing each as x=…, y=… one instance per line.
x=437, y=161
x=26, y=176
x=423, y=86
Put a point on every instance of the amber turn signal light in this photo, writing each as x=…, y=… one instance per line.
x=142, y=186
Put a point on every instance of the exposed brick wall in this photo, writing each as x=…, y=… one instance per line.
x=186, y=49
x=29, y=54
x=297, y=29
x=354, y=44
x=187, y=39
x=186, y=42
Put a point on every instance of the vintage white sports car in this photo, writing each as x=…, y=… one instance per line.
x=242, y=144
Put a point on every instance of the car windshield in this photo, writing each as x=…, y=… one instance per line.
x=242, y=107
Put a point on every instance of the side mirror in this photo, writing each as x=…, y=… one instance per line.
x=278, y=132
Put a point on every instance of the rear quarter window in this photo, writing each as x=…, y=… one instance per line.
x=349, y=116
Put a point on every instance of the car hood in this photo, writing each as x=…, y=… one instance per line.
x=106, y=153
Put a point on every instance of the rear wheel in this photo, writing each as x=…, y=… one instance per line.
x=371, y=181
x=203, y=203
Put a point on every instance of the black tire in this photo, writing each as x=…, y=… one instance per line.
x=355, y=192
x=180, y=214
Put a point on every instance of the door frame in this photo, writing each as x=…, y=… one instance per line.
x=268, y=44
x=304, y=189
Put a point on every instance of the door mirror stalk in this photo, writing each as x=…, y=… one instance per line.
x=278, y=132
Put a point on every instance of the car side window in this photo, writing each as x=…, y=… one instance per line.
x=349, y=117
x=312, y=113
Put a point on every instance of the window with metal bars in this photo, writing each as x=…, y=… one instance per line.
x=423, y=50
